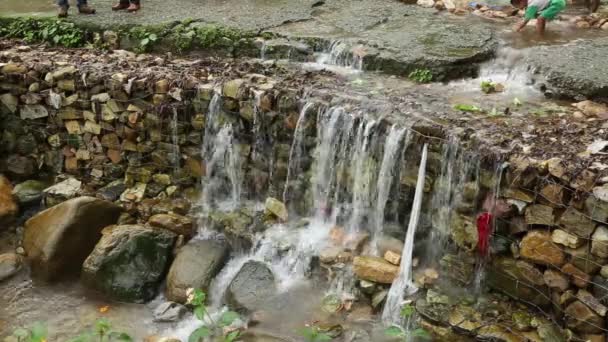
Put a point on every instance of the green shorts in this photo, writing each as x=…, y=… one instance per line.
x=553, y=10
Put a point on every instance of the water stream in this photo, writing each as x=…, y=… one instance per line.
x=403, y=285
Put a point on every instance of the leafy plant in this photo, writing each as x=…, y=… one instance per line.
x=421, y=76
x=211, y=328
x=467, y=108
x=314, y=334
x=36, y=333
x=102, y=332
x=146, y=38
x=54, y=32
x=395, y=331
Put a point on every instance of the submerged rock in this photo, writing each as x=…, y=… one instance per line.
x=129, y=262
x=195, y=266
x=375, y=269
x=251, y=287
x=60, y=238
x=169, y=312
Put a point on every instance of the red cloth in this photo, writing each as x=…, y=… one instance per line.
x=484, y=230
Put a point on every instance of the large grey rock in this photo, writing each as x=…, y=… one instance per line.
x=251, y=287
x=573, y=80
x=195, y=266
x=60, y=238
x=129, y=262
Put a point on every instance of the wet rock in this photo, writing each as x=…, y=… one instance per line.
x=8, y=206
x=518, y=279
x=600, y=289
x=458, y=267
x=465, y=318
x=331, y=255
x=178, y=224
x=578, y=277
x=59, y=239
x=62, y=191
x=237, y=225
x=379, y=297
x=580, y=318
x=277, y=208
x=234, y=89
x=112, y=191
x=195, y=266
x=464, y=232
x=129, y=262
x=599, y=242
x=538, y=247
x=556, y=280
x=592, y=302
x=388, y=243
x=577, y=223
x=29, y=192
x=169, y=312
x=251, y=287
x=564, y=238
x=375, y=269
x=392, y=257
x=10, y=264
x=540, y=214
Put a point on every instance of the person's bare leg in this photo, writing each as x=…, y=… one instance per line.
x=540, y=26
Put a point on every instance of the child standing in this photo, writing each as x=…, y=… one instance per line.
x=542, y=10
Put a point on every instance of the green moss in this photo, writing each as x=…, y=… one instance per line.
x=54, y=32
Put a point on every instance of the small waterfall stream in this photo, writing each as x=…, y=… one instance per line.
x=295, y=153
x=403, y=285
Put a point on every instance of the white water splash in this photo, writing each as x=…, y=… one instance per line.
x=295, y=152
x=386, y=176
x=403, y=285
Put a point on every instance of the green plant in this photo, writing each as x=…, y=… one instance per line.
x=211, y=328
x=314, y=334
x=395, y=331
x=146, y=38
x=54, y=32
x=102, y=332
x=487, y=87
x=468, y=108
x=36, y=333
x=421, y=76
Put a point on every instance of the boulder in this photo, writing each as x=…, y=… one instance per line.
x=178, y=224
x=195, y=266
x=277, y=208
x=375, y=269
x=62, y=191
x=564, y=238
x=29, y=192
x=518, y=279
x=540, y=214
x=169, y=312
x=57, y=240
x=8, y=206
x=578, y=277
x=556, y=280
x=129, y=262
x=10, y=264
x=538, y=247
x=577, y=223
x=599, y=242
x=581, y=319
x=251, y=287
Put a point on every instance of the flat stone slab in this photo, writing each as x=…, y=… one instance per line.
x=575, y=70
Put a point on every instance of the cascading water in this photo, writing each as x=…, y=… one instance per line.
x=295, y=152
x=390, y=159
x=403, y=285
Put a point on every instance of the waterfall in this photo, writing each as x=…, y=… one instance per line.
x=295, y=152
x=340, y=54
x=365, y=173
x=386, y=176
x=403, y=285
